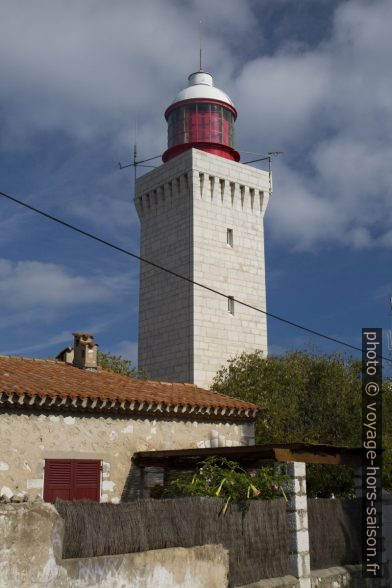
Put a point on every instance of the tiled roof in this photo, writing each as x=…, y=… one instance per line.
x=55, y=385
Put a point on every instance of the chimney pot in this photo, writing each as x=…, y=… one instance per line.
x=85, y=351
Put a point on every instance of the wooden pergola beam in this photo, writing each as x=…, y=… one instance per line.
x=252, y=456
x=286, y=455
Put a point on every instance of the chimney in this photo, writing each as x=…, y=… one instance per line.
x=66, y=355
x=85, y=351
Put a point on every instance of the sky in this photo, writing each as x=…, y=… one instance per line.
x=79, y=80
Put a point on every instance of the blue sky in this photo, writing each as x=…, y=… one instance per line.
x=310, y=78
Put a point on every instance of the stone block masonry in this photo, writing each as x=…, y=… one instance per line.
x=27, y=563
x=186, y=208
x=297, y=514
x=110, y=439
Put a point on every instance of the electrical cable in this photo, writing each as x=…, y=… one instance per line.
x=173, y=273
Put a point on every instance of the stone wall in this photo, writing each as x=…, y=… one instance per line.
x=31, y=556
x=31, y=539
x=227, y=195
x=28, y=439
x=185, y=208
x=342, y=577
x=336, y=577
x=163, y=203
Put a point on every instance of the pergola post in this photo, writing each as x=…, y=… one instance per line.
x=297, y=516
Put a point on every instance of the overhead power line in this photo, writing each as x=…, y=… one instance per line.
x=177, y=275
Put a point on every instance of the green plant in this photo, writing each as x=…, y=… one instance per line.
x=218, y=476
x=119, y=365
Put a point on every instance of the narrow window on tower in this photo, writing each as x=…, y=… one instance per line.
x=252, y=197
x=212, y=182
x=230, y=304
x=230, y=237
x=232, y=192
x=242, y=191
x=261, y=199
x=201, y=178
x=222, y=188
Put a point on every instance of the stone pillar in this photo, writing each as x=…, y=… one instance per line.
x=297, y=516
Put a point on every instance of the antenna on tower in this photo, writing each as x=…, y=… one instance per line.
x=135, y=156
x=200, y=62
x=271, y=154
x=138, y=162
x=268, y=157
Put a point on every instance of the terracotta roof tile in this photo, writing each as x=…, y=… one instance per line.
x=55, y=383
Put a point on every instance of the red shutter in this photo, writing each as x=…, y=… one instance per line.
x=87, y=478
x=72, y=479
x=58, y=479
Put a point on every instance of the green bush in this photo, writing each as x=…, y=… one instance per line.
x=218, y=476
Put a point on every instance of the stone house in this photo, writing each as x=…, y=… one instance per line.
x=69, y=429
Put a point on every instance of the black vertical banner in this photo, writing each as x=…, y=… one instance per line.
x=371, y=453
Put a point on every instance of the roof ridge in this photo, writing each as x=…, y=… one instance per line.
x=38, y=359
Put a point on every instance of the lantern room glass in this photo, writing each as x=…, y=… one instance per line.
x=201, y=122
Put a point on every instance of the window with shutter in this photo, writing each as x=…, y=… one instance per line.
x=72, y=479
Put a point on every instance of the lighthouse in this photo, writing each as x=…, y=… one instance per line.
x=201, y=214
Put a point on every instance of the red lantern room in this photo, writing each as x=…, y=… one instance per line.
x=201, y=116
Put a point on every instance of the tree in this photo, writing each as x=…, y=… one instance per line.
x=309, y=398
x=119, y=365
x=387, y=436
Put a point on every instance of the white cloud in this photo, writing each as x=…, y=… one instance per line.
x=303, y=217
x=54, y=343
x=11, y=222
x=127, y=349
x=278, y=97
x=33, y=284
x=89, y=69
x=104, y=210
x=330, y=110
x=61, y=338
x=81, y=74
x=80, y=66
x=233, y=16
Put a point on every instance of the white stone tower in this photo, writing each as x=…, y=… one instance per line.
x=201, y=215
